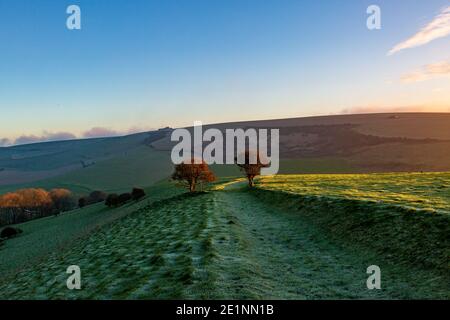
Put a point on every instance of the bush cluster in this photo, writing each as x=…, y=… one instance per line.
x=93, y=197
x=115, y=200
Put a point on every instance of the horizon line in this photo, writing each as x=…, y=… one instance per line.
x=227, y=122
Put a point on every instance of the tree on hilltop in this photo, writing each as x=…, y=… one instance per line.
x=192, y=173
x=251, y=166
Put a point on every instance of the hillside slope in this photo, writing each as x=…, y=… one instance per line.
x=356, y=143
x=46, y=235
x=329, y=144
x=114, y=164
x=234, y=243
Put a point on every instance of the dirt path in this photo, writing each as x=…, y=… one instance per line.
x=269, y=253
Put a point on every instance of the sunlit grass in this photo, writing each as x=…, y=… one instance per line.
x=430, y=191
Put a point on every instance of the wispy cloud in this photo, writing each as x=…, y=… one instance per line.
x=438, y=28
x=428, y=72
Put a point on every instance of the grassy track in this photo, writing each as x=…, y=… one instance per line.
x=226, y=243
x=284, y=256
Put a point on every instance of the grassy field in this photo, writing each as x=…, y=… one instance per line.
x=52, y=155
x=138, y=167
x=403, y=216
x=112, y=164
x=295, y=166
x=232, y=242
x=428, y=191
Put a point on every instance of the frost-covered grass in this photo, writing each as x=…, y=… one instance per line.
x=232, y=242
x=158, y=251
x=43, y=236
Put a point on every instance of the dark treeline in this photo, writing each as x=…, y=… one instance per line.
x=14, y=215
x=116, y=200
x=93, y=197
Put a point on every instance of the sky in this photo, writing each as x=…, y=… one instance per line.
x=139, y=65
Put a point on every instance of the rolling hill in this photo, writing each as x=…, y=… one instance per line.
x=328, y=144
x=110, y=164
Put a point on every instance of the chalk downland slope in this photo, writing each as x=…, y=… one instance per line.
x=356, y=143
x=232, y=242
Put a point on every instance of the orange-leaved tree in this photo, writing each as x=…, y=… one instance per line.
x=251, y=164
x=26, y=198
x=192, y=173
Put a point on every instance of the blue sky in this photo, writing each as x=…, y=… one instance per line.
x=136, y=65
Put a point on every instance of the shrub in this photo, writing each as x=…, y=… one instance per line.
x=10, y=232
x=137, y=193
x=93, y=197
x=112, y=200
x=62, y=200
x=97, y=196
x=82, y=202
x=124, y=197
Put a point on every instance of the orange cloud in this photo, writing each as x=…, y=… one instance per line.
x=428, y=72
x=393, y=109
